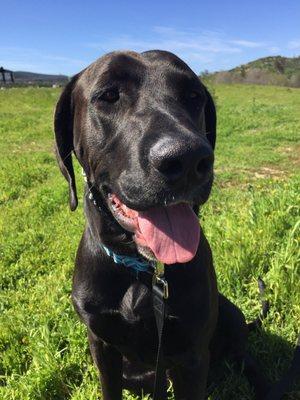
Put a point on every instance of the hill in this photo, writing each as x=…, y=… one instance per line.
x=275, y=70
x=26, y=77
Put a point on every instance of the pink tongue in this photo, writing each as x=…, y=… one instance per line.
x=172, y=232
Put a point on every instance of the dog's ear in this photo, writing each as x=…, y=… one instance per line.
x=63, y=128
x=210, y=119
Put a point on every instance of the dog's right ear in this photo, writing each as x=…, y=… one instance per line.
x=63, y=128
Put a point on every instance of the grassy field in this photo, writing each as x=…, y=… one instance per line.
x=251, y=220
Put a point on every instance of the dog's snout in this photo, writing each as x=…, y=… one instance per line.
x=177, y=161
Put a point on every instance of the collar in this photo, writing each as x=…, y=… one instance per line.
x=138, y=264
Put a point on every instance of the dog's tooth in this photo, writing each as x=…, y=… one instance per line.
x=90, y=196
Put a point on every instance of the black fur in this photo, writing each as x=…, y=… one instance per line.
x=144, y=127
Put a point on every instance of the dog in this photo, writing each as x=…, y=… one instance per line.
x=143, y=128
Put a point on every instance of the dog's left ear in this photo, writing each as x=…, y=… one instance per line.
x=210, y=119
x=63, y=127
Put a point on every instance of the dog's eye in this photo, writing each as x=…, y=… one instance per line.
x=110, y=95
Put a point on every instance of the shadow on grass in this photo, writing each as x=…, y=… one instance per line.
x=273, y=355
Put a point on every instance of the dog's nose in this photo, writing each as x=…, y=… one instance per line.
x=178, y=160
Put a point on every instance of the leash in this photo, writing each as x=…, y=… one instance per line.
x=160, y=294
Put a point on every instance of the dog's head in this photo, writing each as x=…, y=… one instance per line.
x=143, y=127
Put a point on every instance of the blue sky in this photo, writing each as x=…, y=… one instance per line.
x=65, y=36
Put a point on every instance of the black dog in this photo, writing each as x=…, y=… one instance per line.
x=143, y=128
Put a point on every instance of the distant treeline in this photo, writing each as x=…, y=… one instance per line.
x=24, y=78
x=41, y=84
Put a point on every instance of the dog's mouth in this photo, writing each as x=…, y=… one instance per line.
x=170, y=233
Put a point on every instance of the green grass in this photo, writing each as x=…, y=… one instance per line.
x=251, y=220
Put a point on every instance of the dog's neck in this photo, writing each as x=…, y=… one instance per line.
x=103, y=228
x=108, y=236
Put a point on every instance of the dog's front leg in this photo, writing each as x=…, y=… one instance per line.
x=110, y=365
x=190, y=379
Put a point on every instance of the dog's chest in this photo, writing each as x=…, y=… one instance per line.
x=132, y=329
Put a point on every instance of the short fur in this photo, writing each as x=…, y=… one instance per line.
x=161, y=104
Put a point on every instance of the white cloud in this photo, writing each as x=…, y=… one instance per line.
x=167, y=38
x=206, y=49
x=294, y=44
x=248, y=43
x=274, y=49
x=201, y=49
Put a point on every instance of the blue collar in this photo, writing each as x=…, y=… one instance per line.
x=138, y=264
